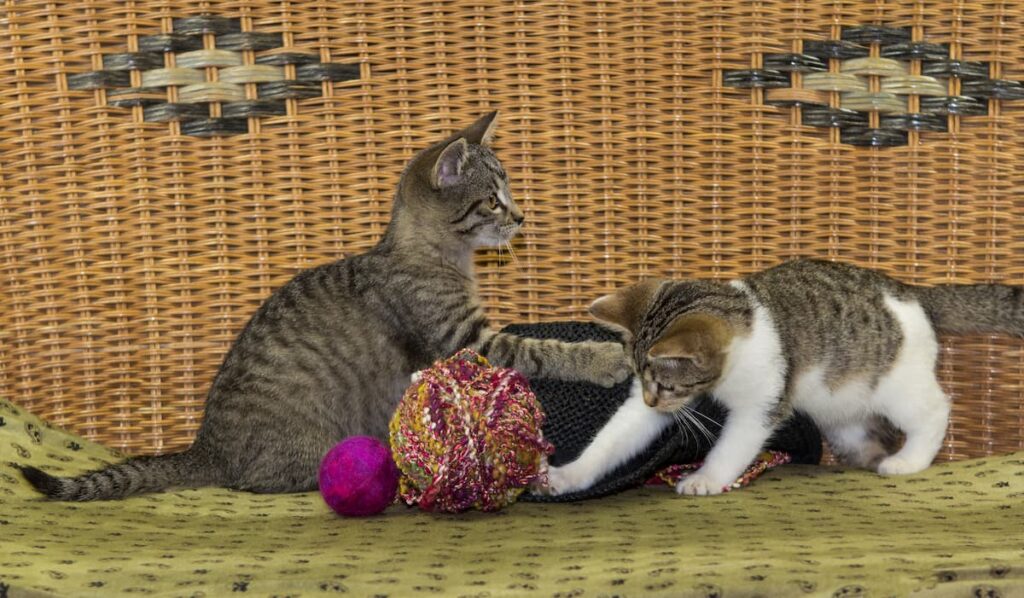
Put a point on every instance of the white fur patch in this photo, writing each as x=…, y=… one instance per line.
x=632, y=428
x=920, y=349
x=851, y=402
x=909, y=393
x=754, y=368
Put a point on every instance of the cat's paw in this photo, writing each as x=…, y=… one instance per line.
x=699, y=484
x=416, y=376
x=609, y=365
x=898, y=466
x=563, y=480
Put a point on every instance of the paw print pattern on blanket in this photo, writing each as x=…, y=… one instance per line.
x=642, y=542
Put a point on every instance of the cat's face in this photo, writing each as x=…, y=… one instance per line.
x=679, y=366
x=466, y=189
x=478, y=204
x=676, y=357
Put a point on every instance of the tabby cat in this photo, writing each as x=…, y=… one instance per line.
x=851, y=347
x=329, y=354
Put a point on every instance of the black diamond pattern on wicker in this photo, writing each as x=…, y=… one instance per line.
x=227, y=75
x=875, y=85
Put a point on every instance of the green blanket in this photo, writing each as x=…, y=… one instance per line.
x=956, y=530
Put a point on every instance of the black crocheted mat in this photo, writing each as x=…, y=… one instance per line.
x=576, y=411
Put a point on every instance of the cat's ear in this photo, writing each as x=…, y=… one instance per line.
x=700, y=338
x=624, y=308
x=482, y=131
x=447, y=169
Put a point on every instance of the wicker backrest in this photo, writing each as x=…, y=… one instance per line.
x=132, y=249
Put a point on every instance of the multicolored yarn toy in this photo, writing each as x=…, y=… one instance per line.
x=468, y=435
x=765, y=461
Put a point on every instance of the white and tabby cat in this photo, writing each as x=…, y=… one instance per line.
x=852, y=348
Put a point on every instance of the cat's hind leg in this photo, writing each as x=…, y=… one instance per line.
x=922, y=412
x=910, y=396
x=282, y=477
x=277, y=465
x=855, y=444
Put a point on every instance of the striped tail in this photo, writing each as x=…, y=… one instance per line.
x=188, y=469
x=971, y=308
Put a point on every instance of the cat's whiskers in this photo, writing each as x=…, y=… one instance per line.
x=689, y=414
x=692, y=423
x=710, y=420
x=512, y=252
x=683, y=426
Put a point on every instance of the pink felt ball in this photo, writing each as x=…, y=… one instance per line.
x=358, y=477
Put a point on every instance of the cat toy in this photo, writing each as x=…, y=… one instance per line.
x=358, y=477
x=464, y=436
x=766, y=460
x=468, y=436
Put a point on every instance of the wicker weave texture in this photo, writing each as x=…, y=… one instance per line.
x=131, y=253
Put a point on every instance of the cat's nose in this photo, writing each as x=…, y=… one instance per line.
x=650, y=399
x=516, y=215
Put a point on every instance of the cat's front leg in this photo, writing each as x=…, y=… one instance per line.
x=744, y=434
x=601, y=363
x=632, y=428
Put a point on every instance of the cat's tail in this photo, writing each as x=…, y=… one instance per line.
x=189, y=469
x=970, y=308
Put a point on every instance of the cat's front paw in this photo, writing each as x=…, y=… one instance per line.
x=609, y=365
x=564, y=480
x=699, y=484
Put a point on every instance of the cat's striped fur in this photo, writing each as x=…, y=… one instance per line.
x=329, y=354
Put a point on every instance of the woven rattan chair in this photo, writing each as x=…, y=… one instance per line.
x=165, y=164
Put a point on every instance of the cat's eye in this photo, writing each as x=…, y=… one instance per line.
x=492, y=202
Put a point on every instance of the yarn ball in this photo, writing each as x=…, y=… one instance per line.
x=358, y=477
x=468, y=436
